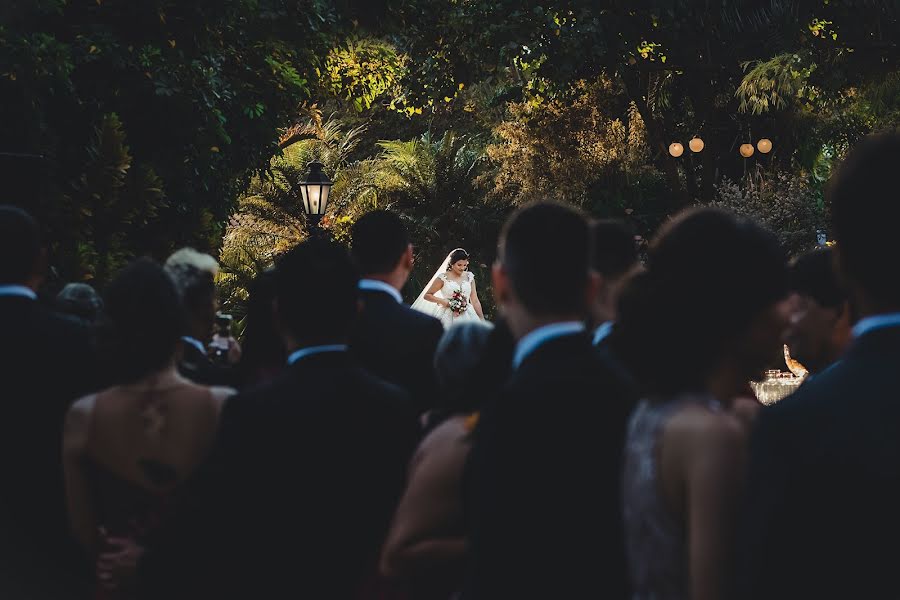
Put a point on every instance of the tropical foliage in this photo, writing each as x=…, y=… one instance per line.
x=783, y=202
x=199, y=89
x=196, y=127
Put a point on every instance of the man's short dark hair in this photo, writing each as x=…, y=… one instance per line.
x=614, y=252
x=20, y=245
x=813, y=274
x=865, y=206
x=379, y=239
x=316, y=288
x=544, y=248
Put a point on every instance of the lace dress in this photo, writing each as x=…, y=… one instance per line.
x=444, y=314
x=655, y=538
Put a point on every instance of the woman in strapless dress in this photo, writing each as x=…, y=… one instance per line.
x=127, y=449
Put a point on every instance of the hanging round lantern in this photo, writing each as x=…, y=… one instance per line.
x=764, y=145
x=676, y=149
x=746, y=150
x=696, y=144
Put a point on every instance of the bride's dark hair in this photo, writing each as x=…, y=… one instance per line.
x=457, y=255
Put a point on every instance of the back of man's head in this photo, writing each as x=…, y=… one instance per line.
x=544, y=250
x=20, y=246
x=614, y=252
x=316, y=291
x=865, y=204
x=379, y=240
x=80, y=300
x=813, y=275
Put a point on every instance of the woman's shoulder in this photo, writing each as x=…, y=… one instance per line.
x=79, y=414
x=444, y=443
x=698, y=429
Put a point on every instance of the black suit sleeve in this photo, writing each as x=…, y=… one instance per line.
x=425, y=389
x=761, y=545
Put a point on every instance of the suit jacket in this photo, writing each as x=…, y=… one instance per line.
x=397, y=344
x=544, y=479
x=822, y=517
x=46, y=362
x=198, y=367
x=298, y=492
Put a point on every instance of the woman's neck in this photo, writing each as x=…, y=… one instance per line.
x=727, y=383
x=162, y=379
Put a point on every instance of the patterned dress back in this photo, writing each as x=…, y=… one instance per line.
x=655, y=538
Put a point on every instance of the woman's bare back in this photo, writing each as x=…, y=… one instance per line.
x=154, y=437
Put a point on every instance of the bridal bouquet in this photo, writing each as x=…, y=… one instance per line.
x=458, y=303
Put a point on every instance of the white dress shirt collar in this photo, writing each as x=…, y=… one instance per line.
x=539, y=336
x=17, y=290
x=872, y=323
x=194, y=342
x=602, y=332
x=373, y=285
x=310, y=350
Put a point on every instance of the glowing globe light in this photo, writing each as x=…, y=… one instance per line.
x=746, y=150
x=676, y=149
x=764, y=145
x=696, y=144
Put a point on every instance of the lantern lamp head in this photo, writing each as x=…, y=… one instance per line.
x=315, y=189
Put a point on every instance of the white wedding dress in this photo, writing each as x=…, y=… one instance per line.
x=449, y=287
x=446, y=316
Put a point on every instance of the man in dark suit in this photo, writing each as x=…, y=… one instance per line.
x=823, y=504
x=46, y=362
x=306, y=470
x=392, y=340
x=194, y=275
x=545, y=470
x=613, y=256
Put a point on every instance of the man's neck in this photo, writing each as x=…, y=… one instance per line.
x=602, y=314
x=866, y=306
x=395, y=279
x=198, y=334
x=522, y=324
x=292, y=345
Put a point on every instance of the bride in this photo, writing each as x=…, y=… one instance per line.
x=450, y=295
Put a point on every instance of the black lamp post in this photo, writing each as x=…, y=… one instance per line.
x=315, y=189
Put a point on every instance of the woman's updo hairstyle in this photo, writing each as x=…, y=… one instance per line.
x=709, y=273
x=457, y=255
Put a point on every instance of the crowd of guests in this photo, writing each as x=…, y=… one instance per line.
x=598, y=439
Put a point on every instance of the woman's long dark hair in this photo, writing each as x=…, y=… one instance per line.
x=708, y=274
x=144, y=321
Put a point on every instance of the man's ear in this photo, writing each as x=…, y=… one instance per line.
x=278, y=323
x=38, y=271
x=407, y=259
x=501, y=284
x=595, y=287
x=276, y=314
